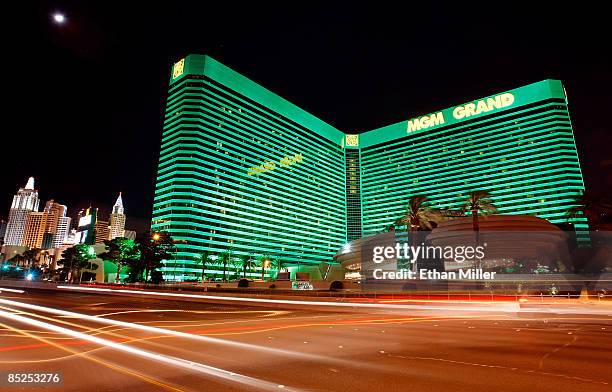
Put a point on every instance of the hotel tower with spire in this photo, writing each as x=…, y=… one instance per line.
x=25, y=201
x=117, y=220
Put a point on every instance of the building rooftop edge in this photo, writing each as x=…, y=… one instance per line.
x=523, y=95
x=204, y=64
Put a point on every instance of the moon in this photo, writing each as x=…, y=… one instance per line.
x=59, y=18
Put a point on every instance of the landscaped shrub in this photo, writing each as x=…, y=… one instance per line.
x=243, y=283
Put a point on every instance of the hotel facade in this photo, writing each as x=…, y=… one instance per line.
x=243, y=170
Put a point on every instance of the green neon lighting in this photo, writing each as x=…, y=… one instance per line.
x=219, y=125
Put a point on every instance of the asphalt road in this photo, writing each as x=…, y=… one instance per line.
x=155, y=345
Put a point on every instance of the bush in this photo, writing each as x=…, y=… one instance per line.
x=243, y=283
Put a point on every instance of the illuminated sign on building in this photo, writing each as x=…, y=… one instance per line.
x=483, y=105
x=271, y=165
x=425, y=122
x=352, y=140
x=461, y=112
x=178, y=68
x=85, y=220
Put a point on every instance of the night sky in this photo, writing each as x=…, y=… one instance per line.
x=87, y=97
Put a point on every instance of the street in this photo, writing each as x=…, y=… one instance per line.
x=147, y=344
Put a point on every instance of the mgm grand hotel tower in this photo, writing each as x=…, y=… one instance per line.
x=245, y=171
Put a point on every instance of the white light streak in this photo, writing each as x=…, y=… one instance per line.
x=179, y=362
x=11, y=290
x=170, y=332
x=494, y=306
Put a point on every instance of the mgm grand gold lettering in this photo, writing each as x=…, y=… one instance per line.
x=462, y=111
x=272, y=165
x=483, y=106
x=424, y=122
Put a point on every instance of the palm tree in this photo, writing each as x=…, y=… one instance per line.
x=595, y=206
x=205, y=260
x=77, y=258
x=248, y=262
x=478, y=202
x=278, y=264
x=236, y=264
x=264, y=261
x=223, y=260
x=419, y=215
x=31, y=256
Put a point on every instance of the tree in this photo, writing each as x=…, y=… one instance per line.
x=154, y=248
x=17, y=260
x=205, y=259
x=278, y=263
x=419, y=215
x=75, y=259
x=121, y=251
x=223, y=260
x=135, y=270
x=236, y=263
x=264, y=261
x=478, y=202
x=595, y=206
x=248, y=262
x=30, y=256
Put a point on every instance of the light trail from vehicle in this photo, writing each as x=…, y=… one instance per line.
x=89, y=357
x=267, y=313
x=382, y=349
x=503, y=306
x=11, y=290
x=251, y=382
x=492, y=306
x=169, y=332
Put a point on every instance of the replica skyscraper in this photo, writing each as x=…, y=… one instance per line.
x=24, y=202
x=117, y=219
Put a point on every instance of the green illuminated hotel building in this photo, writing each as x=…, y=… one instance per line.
x=243, y=170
